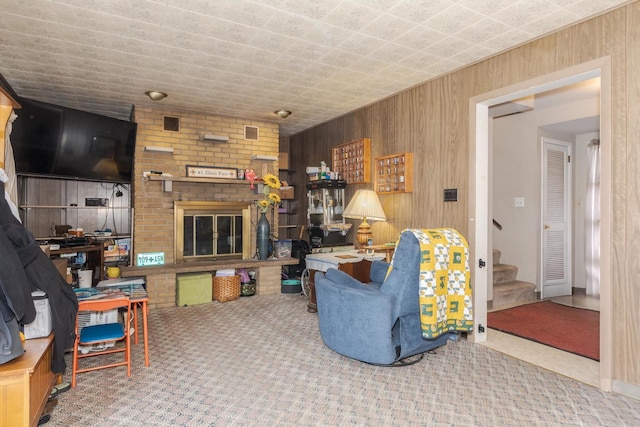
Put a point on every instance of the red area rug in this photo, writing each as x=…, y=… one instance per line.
x=570, y=329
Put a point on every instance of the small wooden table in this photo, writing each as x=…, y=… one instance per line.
x=387, y=249
x=354, y=263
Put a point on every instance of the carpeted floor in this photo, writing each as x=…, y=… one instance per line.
x=259, y=361
x=570, y=329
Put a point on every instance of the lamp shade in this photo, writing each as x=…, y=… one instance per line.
x=365, y=204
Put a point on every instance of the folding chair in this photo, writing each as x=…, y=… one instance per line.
x=101, y=334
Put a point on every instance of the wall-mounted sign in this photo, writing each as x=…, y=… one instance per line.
x=211, y=172
x=150, y=258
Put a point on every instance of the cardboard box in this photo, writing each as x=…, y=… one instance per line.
x=286, y=193
x=283, y=158
x=61, y=266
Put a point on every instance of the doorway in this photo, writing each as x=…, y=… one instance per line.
x=481, y=197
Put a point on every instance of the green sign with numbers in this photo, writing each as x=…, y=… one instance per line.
x=150, y=258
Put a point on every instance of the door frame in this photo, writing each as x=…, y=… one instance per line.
x=480, y=197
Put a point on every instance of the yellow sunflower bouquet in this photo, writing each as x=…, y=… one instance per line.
x=271, y=182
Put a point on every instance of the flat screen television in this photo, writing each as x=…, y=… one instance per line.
x=53, y=141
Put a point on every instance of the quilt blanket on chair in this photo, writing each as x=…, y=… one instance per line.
x=445, y=287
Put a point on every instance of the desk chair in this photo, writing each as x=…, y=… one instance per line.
x=98, y=334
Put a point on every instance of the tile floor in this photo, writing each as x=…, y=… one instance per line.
x=570, y=365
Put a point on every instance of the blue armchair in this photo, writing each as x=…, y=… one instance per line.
x=377, y=325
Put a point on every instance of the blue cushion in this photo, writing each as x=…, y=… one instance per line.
x=343, y=278
x=99, y=333
x=378, y=272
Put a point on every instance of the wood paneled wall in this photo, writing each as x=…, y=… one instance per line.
x=432, y=121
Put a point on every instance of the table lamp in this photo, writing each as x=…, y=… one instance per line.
x=364, y=205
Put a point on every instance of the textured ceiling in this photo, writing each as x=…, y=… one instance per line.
x=318, y=58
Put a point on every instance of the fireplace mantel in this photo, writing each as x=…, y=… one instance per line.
x=198, y=180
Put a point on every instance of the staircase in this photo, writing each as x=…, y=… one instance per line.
x=507, y=290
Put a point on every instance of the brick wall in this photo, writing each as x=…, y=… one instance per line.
x=153, y=207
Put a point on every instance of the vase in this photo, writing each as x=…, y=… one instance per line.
x=262, y=236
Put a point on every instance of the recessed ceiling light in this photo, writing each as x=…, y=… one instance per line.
x=282, y=113
x=155, y=95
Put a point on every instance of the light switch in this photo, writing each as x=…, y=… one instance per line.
x=518, y=202
x=451, y=195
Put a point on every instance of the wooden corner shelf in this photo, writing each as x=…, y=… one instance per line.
x=394, y=173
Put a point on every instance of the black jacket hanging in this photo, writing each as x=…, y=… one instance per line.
x=37, y=272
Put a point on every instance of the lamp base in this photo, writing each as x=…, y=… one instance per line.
x=364, y=234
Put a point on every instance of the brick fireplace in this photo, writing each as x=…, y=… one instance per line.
x=153, y=208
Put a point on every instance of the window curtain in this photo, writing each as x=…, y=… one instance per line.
x=592, y=219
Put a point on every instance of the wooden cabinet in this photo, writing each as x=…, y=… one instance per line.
x=394, y=173
x=25, y=384
x=352, y=161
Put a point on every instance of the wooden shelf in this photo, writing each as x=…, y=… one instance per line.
x=70, y=207
x=198, y=180
x=394, y=173
x=352, y=161
x=289, y=204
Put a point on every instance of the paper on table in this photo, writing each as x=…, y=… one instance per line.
x=121, y=281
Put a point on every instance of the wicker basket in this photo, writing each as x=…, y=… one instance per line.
x=226, y=288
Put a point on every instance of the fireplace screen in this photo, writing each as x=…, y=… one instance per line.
x=212, y=235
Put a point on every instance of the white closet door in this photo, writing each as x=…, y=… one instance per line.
x=556, y=215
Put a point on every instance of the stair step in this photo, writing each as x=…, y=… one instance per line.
x=504, y=273
x=496, y=256
x=509, y=293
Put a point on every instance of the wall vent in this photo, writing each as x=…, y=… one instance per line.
x=172, y=123
x=251, y=133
